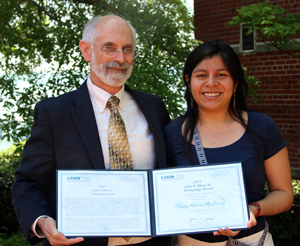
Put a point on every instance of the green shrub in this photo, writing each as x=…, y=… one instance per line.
x=9, y=162
x=16, y=239
x=285, y=227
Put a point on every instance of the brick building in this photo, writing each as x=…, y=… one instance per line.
x=278, y=72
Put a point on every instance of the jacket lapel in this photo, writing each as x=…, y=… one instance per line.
x=84, y=117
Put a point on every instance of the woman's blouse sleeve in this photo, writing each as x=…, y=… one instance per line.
x=274, y=138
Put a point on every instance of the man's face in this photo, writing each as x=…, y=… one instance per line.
x=105, y=71
x=112, y=71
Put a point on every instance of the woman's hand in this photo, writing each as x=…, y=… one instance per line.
x=252, y=212
x=229, y=233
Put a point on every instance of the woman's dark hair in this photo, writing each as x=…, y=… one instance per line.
x=232, y=62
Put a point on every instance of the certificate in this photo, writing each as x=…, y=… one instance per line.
x=199, y=199
x=103, y=203
x=184, y=200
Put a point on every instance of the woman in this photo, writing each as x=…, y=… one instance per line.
x=216, y=108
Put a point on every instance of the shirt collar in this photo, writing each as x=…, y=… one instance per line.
x=100, y=96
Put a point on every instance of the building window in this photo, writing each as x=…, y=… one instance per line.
x=247, y=40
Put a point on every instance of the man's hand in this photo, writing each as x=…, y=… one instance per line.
x=55, y=238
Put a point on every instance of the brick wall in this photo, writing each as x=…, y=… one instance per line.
x=278, y=72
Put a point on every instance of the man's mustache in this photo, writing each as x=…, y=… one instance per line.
x=117, y=65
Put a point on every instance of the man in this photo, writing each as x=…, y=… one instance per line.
x=71, y=132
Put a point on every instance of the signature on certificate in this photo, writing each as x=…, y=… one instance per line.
x=194, y=219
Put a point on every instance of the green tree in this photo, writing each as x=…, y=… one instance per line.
x=40, y=56
x=273, y=25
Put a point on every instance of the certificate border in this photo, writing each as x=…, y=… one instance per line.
x=148, y=223
x=198, y=167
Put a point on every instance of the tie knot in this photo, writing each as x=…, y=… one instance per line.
x=113, y=101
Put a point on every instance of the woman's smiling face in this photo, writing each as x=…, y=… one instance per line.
x=211, y=84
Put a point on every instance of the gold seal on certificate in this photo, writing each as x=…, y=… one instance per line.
x=151, y=202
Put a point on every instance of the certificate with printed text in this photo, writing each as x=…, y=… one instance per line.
x=103, y=203
x=199, y=199
x=108, y=203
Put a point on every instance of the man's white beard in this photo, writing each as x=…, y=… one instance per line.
x=115, y=79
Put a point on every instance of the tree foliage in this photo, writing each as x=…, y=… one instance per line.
x=40, y=56
x=274, y=26
x=9, y=161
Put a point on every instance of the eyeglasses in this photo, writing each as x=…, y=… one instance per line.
x=112, y=51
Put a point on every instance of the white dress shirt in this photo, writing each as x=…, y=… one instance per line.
x=139, y=136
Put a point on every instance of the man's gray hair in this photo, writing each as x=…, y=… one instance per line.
x=89, y=29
